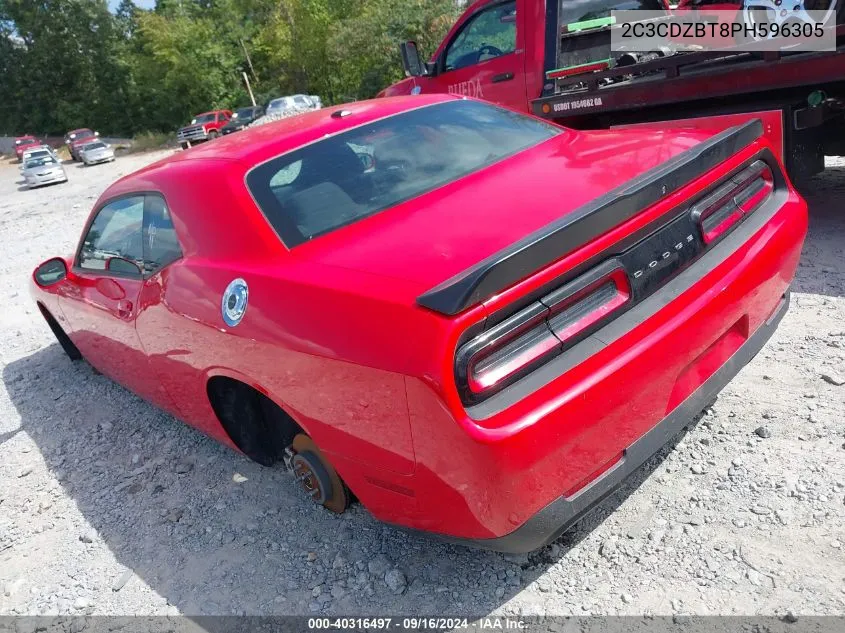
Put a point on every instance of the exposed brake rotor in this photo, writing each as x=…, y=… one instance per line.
x=317, y=476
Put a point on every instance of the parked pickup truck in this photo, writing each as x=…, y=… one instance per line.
x=203, y=127
x=77, y=138
x=553, y=59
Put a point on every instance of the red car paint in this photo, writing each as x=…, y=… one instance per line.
x=336, y=336
x=23, y=143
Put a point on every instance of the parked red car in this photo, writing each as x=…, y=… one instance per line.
x=77, y=138
x=478, y=322
x=23, y=143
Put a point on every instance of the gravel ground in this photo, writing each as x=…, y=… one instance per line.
x=109, y=506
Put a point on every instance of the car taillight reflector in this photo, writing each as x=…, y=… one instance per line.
x=575, y=310
x=544, y=329
x=743, y=194
x=512, y=357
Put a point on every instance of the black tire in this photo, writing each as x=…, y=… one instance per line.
x=213, y=135
x=184, y=145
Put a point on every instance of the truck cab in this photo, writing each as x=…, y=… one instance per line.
x=554, y=59
x=497, y=50
x=493, y=52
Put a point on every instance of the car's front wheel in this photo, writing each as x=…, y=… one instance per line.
x=213, y=135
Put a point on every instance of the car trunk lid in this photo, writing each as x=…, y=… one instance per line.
x=443, y=234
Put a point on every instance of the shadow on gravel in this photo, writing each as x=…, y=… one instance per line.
x=822, y=267
x=162, y=498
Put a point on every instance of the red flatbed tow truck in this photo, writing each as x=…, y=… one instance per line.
x=549, y=59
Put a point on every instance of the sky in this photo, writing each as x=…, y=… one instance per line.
x=144, y=4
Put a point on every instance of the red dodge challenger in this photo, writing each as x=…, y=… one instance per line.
x=475, y=322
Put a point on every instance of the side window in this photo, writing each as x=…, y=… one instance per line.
x=161, y=246
x=115, y=233
x=491, y=33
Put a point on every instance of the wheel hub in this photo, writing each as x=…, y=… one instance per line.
x=316, y=476
x=312, y=476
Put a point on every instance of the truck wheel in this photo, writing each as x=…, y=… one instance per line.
x=213, y=135
x=184, y=145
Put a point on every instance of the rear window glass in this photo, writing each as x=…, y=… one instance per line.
x=352, y=175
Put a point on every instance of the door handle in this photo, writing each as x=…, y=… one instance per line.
x=497, y=79
x=124, y=309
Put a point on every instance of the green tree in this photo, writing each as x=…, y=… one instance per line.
x=365, y=46
x=67, y=71
x=71, y=63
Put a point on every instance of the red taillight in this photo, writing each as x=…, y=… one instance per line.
x=507, y=357
x=544, y=329
x=741, y=195
x=572, y=314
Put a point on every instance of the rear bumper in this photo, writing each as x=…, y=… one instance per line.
x=553, y=520
x=513, y=472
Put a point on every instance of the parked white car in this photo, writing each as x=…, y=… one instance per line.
x=42, y=170
x=96, y=152
x=39, y=151
x=285, y=107
x=294, y=103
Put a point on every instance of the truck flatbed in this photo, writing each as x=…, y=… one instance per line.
x=688, y=77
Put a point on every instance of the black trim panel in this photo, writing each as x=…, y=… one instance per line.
x=541, y=248
x=553, y=520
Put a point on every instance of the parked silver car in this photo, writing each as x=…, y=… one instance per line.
x=38, y=152
x=96, y=152
x=42, y=170
x=294, y=102
x=285, y=107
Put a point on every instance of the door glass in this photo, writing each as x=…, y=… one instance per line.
x=115, y=232
x=161, y=246
x=489, y=34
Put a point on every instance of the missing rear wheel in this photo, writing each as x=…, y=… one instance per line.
x=316, y=476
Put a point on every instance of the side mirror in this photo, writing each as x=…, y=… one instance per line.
x=50, y=272
x=122, y=266
x=411, y=60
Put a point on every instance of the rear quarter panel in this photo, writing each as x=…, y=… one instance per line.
x=323, y=343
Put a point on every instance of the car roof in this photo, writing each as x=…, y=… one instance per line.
x=260, y=143
x=26, y=137
x=82, y=129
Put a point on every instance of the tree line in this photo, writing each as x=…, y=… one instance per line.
x=66, y=64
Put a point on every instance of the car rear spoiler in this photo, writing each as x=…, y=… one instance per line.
x=541, y=248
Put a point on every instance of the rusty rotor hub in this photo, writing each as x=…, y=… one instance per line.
x=317, y=476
